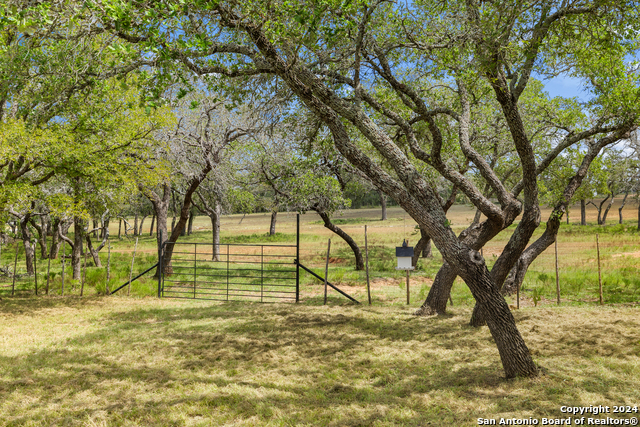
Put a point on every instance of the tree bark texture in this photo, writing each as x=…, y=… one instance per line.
x=272, y=223
x=76, y=250
x=414, y=192
x=624, y=201
x=423, y=247
x=193, y=184
x=93, y=252
x=160, y=203
x=27, y=242
x=583, y=212
x=383, y=205
x=213, y=210
x=190, y=225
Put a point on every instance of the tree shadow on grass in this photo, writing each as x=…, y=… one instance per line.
x=262, y=364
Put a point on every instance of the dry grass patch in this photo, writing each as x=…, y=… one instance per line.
x=117, y=361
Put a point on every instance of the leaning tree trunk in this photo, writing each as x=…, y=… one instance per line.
x=583, y=212
x=599, y=208
x=272, y=224
x=606, y=211
x=423, y=247
x=340, y=232
x=516, y=275
x=624, y=201
x=184, y=216
x=139, y=232
x=93, y=252
x=436, y=302
x=475, y=236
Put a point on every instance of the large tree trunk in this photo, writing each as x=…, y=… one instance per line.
x=436, y=302
x=272, y=224
x=418, y=197
x=583, y=212
x=135, y=225
x=340, y=232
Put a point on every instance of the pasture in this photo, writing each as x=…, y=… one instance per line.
x=135, y=361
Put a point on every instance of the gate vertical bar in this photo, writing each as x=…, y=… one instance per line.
x=195, y=268
x=261, y=272
x=227, y=272
x=297, y=258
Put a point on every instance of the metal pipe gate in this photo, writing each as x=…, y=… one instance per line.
x=241, y=272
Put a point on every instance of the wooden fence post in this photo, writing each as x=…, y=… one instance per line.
x=15, y=266
x=131, y=269
x=84, y=272
x=326, y=271
x=599, y=270
x=63, y=265
x=108, y=267
x=557, y=275
x=366, y=257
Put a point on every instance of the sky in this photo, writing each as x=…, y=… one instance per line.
x=565, y=86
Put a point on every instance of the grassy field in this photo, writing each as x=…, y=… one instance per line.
x=138, y=361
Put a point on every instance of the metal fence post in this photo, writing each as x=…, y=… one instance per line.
x=195, y=268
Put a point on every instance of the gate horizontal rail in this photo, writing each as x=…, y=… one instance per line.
x=246, y=272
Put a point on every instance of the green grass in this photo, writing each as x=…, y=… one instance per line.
x=111, y=361
x=137, y=362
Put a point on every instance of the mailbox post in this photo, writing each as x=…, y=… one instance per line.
x=404, y=254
